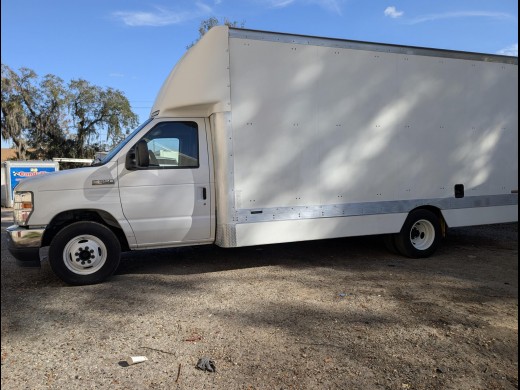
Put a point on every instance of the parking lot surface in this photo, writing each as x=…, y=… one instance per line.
x=331, y=314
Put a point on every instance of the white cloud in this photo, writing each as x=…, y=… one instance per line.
x=161, y=16
x=393, y=12
x=461, y=14
x=511, y=50
x=330, y=5
x=281, y=3
x=204, y=7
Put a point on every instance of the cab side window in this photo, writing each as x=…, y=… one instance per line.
x=173, y=145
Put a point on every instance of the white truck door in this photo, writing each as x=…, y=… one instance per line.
x=168, y=202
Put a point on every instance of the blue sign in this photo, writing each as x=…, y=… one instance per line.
x=17, y=174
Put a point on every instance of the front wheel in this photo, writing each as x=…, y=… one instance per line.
x=420, y=234
x=84, y=253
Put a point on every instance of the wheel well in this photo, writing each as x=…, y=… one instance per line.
x=68, y=217
x=438, y=213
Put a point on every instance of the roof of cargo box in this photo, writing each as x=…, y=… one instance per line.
x=364, y=45
x=199, y=84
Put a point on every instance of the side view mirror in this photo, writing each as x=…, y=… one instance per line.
x=138, y=157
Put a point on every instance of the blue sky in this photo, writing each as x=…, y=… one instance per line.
x=131, y=45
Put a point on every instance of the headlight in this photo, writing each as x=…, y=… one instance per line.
x=23, y=207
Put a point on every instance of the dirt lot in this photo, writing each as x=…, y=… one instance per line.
x=334, y=314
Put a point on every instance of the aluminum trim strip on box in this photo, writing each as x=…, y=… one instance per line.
x=369, y=208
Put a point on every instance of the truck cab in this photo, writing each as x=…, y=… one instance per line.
x=152, y=191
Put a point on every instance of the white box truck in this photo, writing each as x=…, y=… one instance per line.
x=260, y=137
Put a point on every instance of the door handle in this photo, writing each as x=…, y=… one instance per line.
x=204, y=193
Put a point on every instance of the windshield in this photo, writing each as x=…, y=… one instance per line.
x=113, y=152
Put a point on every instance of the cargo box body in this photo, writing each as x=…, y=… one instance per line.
x=319, y=138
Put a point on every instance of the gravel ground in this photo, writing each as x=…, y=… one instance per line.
x=332, y=314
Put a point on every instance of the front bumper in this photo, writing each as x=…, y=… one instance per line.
x=24, y=244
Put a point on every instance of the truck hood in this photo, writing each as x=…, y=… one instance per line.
x=71, y=179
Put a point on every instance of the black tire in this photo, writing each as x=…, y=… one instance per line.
x=389, y=240
x=420, y=234
x=84, y=253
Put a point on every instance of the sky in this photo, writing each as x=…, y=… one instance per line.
x=131, y=45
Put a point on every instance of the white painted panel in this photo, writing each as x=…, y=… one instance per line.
x=198, y=85
x=166, y=206
x=315, y=229
x=274, y=123
x=480, y=215
x=317, y=125
x=460, y=127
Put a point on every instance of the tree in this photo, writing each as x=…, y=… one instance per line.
x=208, y=24
x=13, y=116
x=46, y=118
x=93, y=108
x=44, y=105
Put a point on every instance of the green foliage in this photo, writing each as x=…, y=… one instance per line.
x=93, y=108
x=13, y=118
x=45, y=118
x=208, y=24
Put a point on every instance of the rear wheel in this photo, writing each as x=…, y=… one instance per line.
x=389, y=241
x=420, y=234
x=84, y=253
